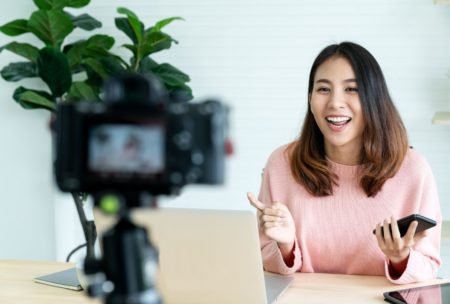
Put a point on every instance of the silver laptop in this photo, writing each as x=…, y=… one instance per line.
x=207, y=256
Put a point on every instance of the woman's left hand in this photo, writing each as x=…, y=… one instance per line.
x=395, y=247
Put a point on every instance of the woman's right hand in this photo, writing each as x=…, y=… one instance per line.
x=275, y=221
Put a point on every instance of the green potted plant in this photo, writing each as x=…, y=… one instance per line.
x=75, y=71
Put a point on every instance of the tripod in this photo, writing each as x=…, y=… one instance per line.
x=126, y=274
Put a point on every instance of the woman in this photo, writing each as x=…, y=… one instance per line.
x=350, y=171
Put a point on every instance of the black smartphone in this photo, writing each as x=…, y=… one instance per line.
x=424, y=223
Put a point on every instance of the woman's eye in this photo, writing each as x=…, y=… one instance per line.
x=323, y=90
x=352, y=89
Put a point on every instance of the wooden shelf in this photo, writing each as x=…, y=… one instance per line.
x=441, y=118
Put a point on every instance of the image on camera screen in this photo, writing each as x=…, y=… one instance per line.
x=126, y=149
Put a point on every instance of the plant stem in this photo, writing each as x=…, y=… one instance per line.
x=138, y=58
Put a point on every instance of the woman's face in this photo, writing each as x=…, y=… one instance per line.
x=336, y=107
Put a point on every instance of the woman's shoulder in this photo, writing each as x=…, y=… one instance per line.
x=278, y=164
x=281, y=153
x=415, y=162
x=279, y=159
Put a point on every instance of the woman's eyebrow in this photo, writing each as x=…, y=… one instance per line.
x=328, y=81
x=323, y=80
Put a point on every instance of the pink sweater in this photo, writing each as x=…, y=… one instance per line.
x=334, y=233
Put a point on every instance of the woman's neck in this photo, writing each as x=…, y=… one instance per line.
x=343, y=155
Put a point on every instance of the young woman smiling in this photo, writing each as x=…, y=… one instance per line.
x=351, y=170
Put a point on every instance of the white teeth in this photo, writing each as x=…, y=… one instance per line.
x=338, y=119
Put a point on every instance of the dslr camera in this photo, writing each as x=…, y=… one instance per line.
x=139, y=139
x=137, y=142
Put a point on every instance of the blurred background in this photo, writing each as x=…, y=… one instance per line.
x=254, y=55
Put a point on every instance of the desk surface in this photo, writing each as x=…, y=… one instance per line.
x=17, y=286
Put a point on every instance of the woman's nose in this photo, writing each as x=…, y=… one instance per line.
x=337, y=100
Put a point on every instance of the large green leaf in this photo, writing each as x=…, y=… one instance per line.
x=132, y=48
x=77, y=3
x=102, y=41
x=97, y=67
x=99, y=53
x=85, y=22
x=134, y=21
x=22, y=49
x=60, y=4
x=49, y=4
x=112, y=65
x=94, y=80
x=81, y=91
x=96, y=46
x=32, y=105
x=162, y=23
x=43, y=4
x=124, y=25
x=15, y=28
x=155, y=42
x=171, y=75
x=129, y=13
x=156, y=36
x=181, y=93
x=52, y=27
x=74, y=53
x=19, y=70
x=146, y=65
x=53, y=68
x=16, y=97
x=36, y=99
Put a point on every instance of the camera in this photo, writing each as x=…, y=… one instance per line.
x=137, y=144
x=139, y=139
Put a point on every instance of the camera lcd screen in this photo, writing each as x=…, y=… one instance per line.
x=126, y=149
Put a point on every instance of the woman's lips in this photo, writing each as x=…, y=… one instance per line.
x=337, y=123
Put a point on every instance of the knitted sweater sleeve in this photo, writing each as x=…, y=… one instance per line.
x=271, y=254
x=424, y=258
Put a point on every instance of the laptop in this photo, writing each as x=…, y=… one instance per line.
x=207, y=256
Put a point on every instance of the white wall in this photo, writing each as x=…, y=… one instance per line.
x=254, y=55
x=26, y=214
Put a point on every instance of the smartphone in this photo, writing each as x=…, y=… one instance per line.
x=424, y=223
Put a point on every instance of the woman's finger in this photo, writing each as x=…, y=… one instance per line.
x=273, y=211
x=395, y=230
x=255, y=202
x=271, y=224
x=387, y=231
x=379, y=236
x=409, y=236
x=271, y=218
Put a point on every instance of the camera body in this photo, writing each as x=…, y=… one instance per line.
x=139, y=140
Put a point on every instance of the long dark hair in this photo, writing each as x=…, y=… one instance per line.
x=385, y=141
